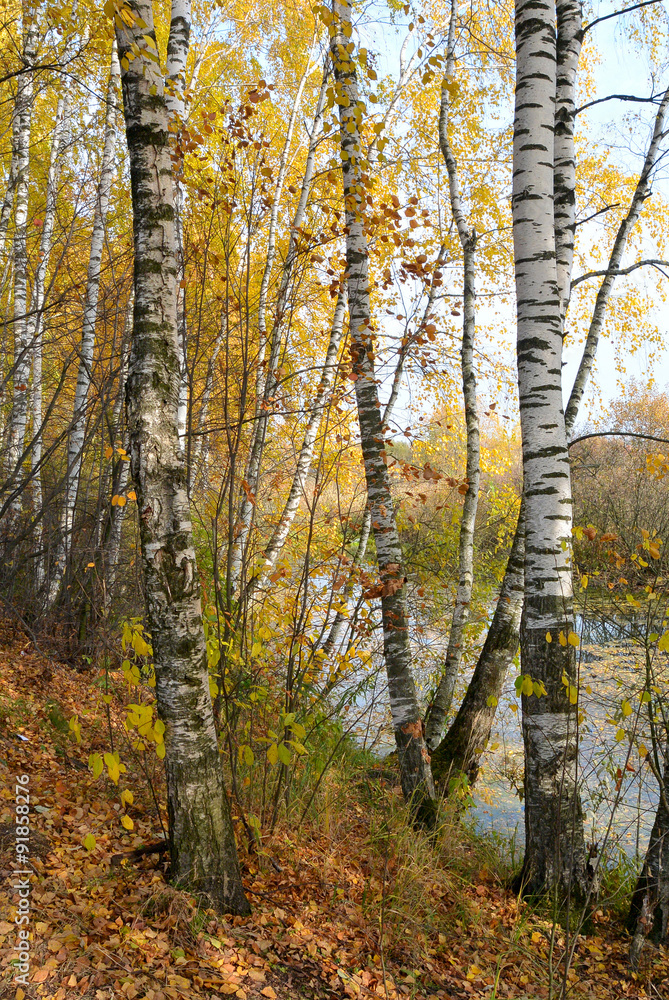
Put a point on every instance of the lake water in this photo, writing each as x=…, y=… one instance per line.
x=619, y=791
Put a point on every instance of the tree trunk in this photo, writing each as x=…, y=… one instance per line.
x=22, y=346
x=280, y=533
x=272, y=344
x=649, y=909
x=36, y=322
x=554, y=851
x=436, y=716
x=75, y=441
x=202, y=843
x=414, y=760
x=467, y=737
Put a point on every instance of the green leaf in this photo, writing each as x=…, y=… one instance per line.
x=96, y=764
x=284, y=754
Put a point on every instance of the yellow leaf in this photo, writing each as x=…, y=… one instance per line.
x=160, y=750
x=121, y=501
x=562, y=639
x=109, y=451
x=627, y=709
x=272, y=753
x=573, y=639
x=549, y=637
x=620, y=735
x=127, y=822
x=127, y=796
x=536, y=937
x=89, y=843
x=132, y=495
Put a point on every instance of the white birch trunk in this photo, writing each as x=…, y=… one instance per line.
x=202, y=842
x=554, y=853
x=264, y=402
x=59, y=141
x=22, y=353
x=436, y=716
x=414, y=759
x=175, y=97
x=568, y=51
x=75, y=441
x=297, y=489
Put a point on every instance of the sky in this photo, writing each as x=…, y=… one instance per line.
x=622, y=69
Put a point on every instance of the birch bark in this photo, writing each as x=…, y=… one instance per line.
x=59, y=141
x=75, y=441
x=22, y=347
x=202, y=843
x=434, y=722
x=273, y=343
x=280, y=533
x=414, y=759
x=554, y=852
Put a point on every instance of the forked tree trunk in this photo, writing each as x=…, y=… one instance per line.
x=76, y=437
x=202, y=842
x=414, y=759
x=436, y=716
x=554, y=851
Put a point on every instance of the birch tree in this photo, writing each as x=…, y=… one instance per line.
x=441, y=703
x=554, y=842
x=75, y=441
x=271, y=345
x=202, y=843
x=22, y=347
x=59, y=142
x=414, y=759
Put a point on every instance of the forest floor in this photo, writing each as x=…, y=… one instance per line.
x=348, y=904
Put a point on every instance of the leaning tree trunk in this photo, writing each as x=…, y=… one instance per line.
x=467, y=737
x=434, y=721
x=414, y=759
x=76, y=437
x=554, y=851
x=649, y=910
x=202, y=842
x=22, y=346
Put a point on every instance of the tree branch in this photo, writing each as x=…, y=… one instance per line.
x=617, y=272
x=632, y=434
x=618, y=13
x=653, y=99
